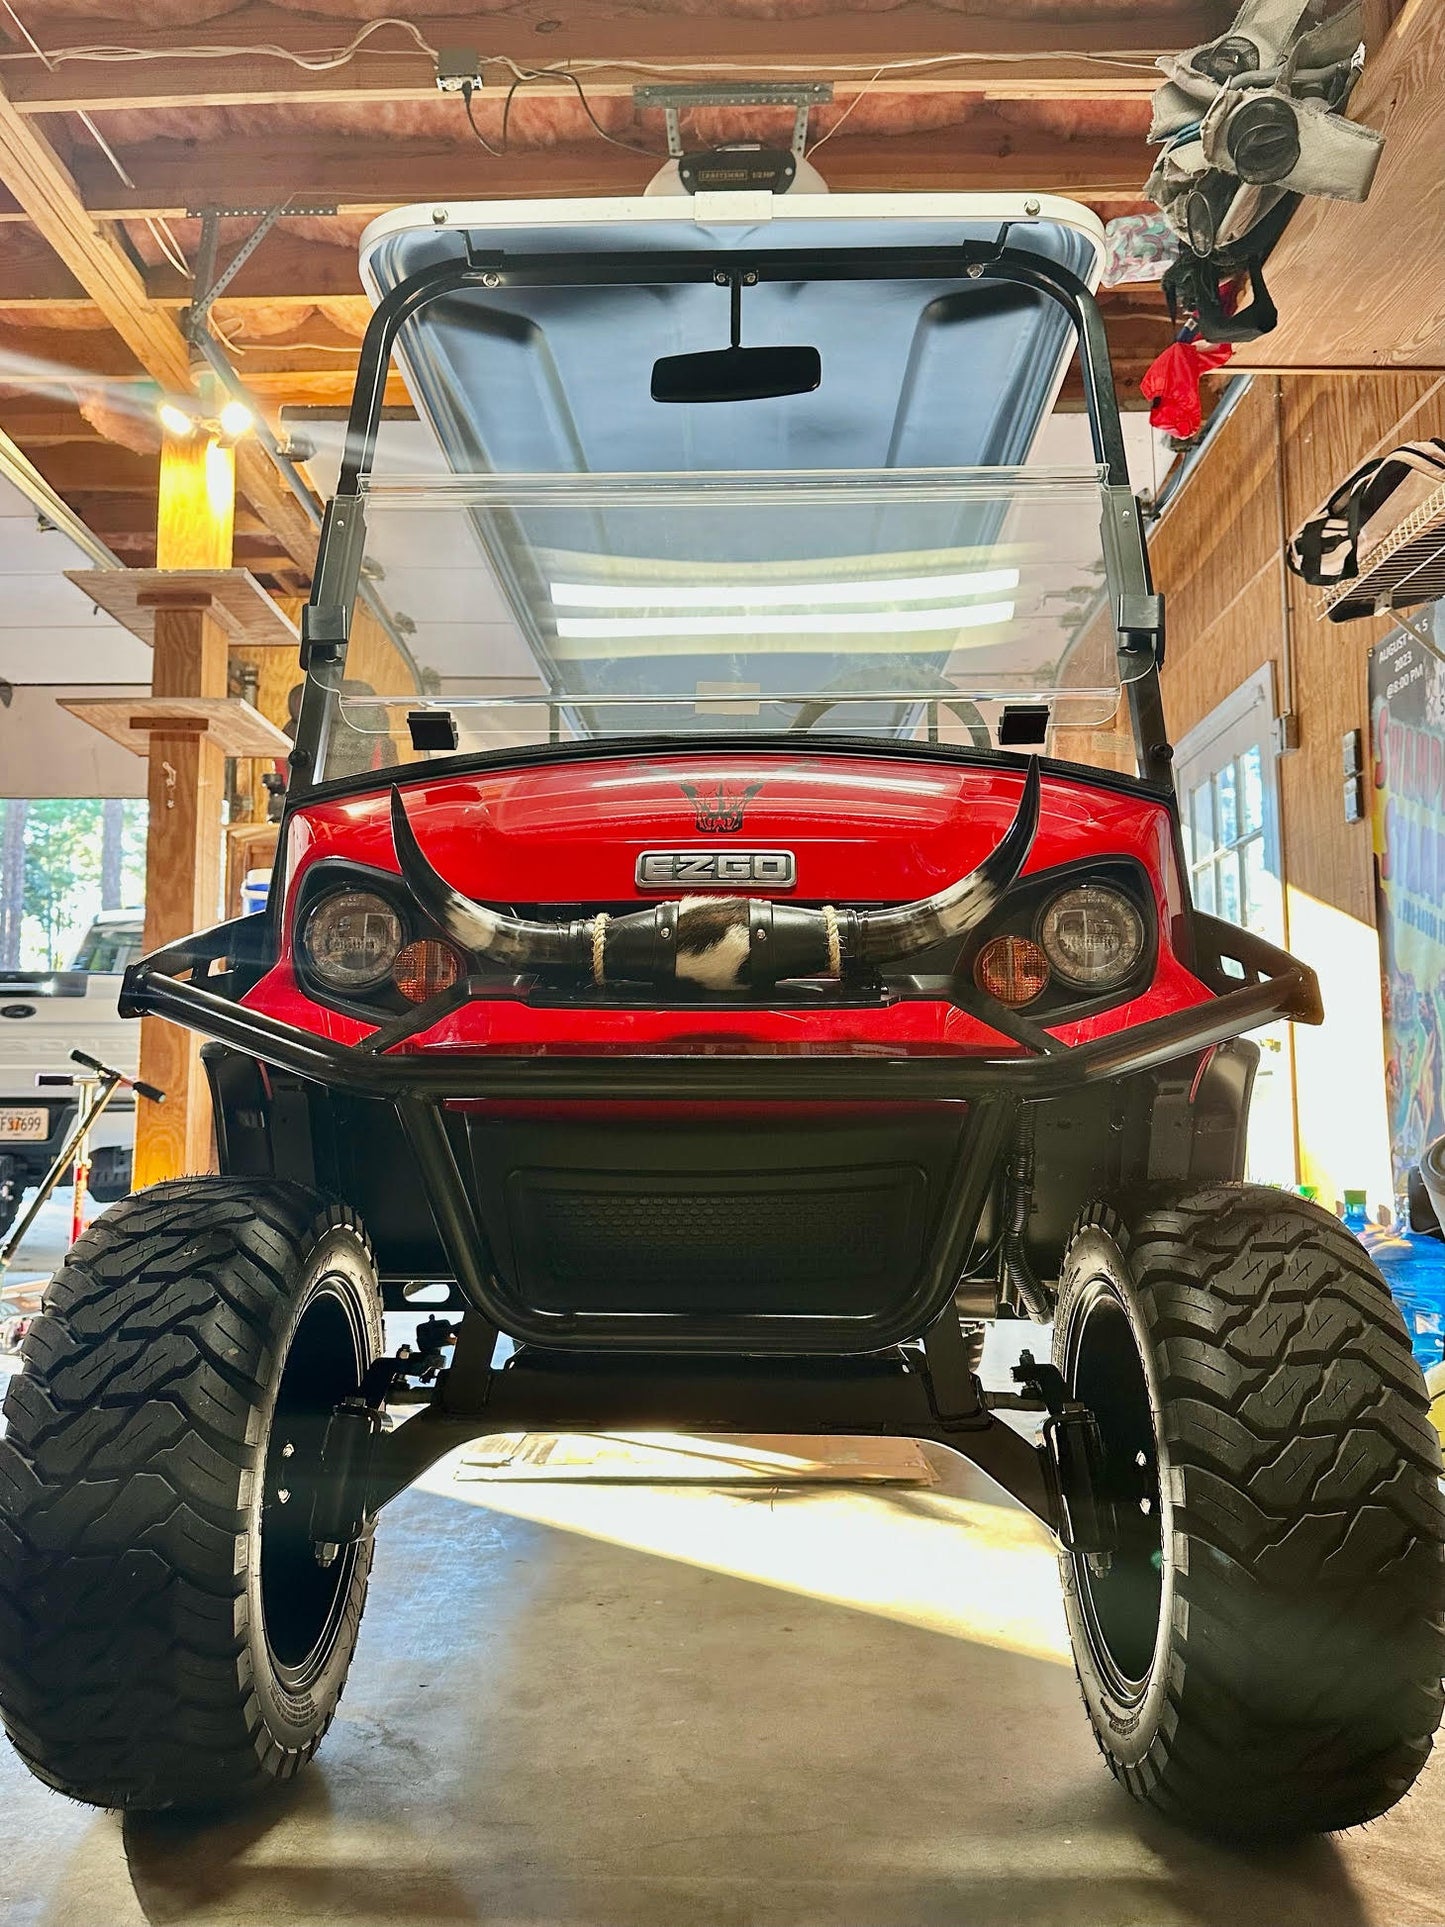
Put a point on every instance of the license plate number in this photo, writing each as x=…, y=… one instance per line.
x=27, y=1124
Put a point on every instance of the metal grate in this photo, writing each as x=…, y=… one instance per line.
x=1407, y=568
x=799, y=1242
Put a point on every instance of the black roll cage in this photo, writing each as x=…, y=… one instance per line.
x=1137, y=611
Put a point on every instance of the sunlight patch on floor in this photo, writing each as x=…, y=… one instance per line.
x=981, y=1572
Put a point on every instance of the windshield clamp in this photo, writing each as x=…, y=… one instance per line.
x=1139, y=620
x=323, y=633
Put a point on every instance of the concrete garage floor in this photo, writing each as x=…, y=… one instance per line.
x=837, y=1707
x=609, y=1706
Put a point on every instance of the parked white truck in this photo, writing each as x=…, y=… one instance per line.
x=44, y=1016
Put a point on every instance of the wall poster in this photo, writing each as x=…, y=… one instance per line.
x=1407, y=728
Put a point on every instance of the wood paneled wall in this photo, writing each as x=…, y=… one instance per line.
x=1218, y=558
x=1217, y=555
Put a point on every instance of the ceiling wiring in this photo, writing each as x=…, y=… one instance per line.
x=865, y=88
x=468, y=89
x=526, y=76
x=322, y=61
x=327, y=59
x=160, y=231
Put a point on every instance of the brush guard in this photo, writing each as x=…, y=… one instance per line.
x=172, y=983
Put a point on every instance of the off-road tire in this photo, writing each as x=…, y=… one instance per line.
x=12, y=1192
x=1294, y=1680
x=137, y=1666
x=110, y=1176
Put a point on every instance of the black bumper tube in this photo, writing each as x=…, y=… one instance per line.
x=1274, y=985
x=419, y=1086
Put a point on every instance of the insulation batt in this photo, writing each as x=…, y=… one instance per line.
x=208, y=14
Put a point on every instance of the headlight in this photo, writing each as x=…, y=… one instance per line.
x=351, y=939
x=1093, y=936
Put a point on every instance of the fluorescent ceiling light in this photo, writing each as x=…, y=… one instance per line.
x=781, y=595
x=871, y=622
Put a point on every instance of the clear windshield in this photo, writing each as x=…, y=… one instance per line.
x=956, y=605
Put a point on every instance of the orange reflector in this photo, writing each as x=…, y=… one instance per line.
x=425, y=967
x=1012, y=969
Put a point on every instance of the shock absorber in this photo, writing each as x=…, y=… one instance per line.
x=1018, y=1272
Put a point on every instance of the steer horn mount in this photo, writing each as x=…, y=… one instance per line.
x=719, y=943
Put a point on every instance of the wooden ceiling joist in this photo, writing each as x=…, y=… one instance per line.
x=1008, y=56
x=173, y=177
x=1047, y=98
x=51, y=201
x=40, y=183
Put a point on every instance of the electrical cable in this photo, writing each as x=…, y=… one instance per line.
x=496, y=152
x=865, y=88
x=1127, y=59
x=525, y=76
x=160, y=231
x=322, y=62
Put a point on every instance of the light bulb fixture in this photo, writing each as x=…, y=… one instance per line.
x=183, y=419
x=236, y=420
x=176, y=420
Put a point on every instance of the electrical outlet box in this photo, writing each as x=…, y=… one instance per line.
x=1284, y=733
x=456, y=66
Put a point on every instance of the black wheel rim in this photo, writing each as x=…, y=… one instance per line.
x=304, y=1603
x=1120, y=1597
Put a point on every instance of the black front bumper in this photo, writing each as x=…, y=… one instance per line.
x=1270, y=985
x=173, y=984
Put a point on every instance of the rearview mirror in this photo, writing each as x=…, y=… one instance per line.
x=736, y=374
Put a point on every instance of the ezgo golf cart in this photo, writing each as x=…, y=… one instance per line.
x=731, y=940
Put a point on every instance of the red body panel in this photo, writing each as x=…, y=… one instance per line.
x=863, y=830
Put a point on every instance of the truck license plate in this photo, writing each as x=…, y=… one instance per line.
x=27, y=1124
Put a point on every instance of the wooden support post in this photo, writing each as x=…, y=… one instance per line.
x=187, y=773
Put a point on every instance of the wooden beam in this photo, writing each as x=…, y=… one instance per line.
x=35, y=175
x=186, y=788
x=30, y=271
x=983, y=152
x=102, y=468
x=1006, y=55
x=37, y=424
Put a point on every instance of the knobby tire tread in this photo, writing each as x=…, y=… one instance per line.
x=133, y=1439
x=1306, y=1669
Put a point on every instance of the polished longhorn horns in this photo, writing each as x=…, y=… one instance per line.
x=719, y=943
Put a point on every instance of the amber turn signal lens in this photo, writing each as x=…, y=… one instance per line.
x=1012, y=969
x=425, y=967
